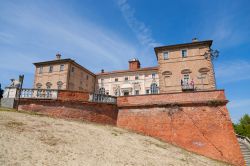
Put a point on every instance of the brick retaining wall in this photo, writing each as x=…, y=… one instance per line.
x=196, y=121
x=94, y=112
x=203, y=127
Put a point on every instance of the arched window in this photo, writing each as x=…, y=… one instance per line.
x=38, y=85
x=48, y=85
x=154, y=88
x=59, y=84
x=186, y=71
x=102, y=91
x=167, y=73
x=204, y=70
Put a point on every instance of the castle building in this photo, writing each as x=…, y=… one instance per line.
x=134, y=81
x=181, y=67
x=185, y=66
x=63, y=74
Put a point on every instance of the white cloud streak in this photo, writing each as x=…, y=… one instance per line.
x=233, y=71
x=142, y=32
x=32, y=33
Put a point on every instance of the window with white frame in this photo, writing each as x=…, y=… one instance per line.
x=153, y=75
x=61, y=67
x=165, y=55
x=154, y=88
x=50, y=69
x=102, y=91
x=185, y=78
x=59, y=84
x=116, y=79
x=137, y=92
x=40, y=70
x=184, y=53
x=136, y=77
x=126, y=78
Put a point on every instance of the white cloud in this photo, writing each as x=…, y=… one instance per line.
x=34, y=32
x=242, y=103
x=233, y=71
x=142, y=32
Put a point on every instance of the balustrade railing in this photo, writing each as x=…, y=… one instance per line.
x=39, y=93
x=187, y=87
x=102, y=98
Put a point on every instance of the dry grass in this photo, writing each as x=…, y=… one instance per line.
x=33, y=140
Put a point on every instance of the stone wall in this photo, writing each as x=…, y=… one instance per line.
x=93, y=112
x=198, y=122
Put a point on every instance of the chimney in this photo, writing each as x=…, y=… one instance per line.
x=134, y=64
x=58, y=56
x=102, y=71
x=195, y=39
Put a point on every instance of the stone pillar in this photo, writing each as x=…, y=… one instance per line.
x=9, y=97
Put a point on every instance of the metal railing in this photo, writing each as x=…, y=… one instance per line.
x=39, y=93
x=187, y=87
x=102, y=98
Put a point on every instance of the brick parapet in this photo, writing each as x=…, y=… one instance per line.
x=199, y=97
x=67, y=95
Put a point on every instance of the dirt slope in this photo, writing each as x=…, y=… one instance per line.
x=34, y=140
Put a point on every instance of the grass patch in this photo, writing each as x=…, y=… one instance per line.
x=18, y=126
x=50, y=140
x=159, y=145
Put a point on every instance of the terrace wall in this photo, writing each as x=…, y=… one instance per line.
x=81, y=110
x=196, y=121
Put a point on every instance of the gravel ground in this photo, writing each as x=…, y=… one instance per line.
x=34, y=140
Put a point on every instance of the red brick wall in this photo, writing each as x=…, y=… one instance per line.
x=94, y=112
x=67, y=95
x=199, y=127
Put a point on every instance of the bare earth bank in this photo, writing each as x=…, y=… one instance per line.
x=34, y=140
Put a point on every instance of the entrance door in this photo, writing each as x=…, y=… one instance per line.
x=126, y=93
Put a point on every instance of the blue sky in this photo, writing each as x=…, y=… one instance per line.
x=106, y=34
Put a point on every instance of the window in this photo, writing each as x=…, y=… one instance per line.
x=184, y=53
x=87, y=77
x=165, y=55
x=154, y=88
x=50, y=69
x=117, y=91
x=61, y=67
x=116, y=79
x=147, y=91
x=136, y=77
x=102, y=91
x=40, y=70
x=185, y=78
x=137, y=92
x=153, y=75
x=72, y=69
x=80, y=82
x=48, y=85
x=107, y=93
x=126, y=93
x=126, y=79
x=59, y=85
x=38, y=85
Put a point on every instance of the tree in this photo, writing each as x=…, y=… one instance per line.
x=243, y=127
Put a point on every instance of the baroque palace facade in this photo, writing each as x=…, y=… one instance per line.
x=181, y=67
